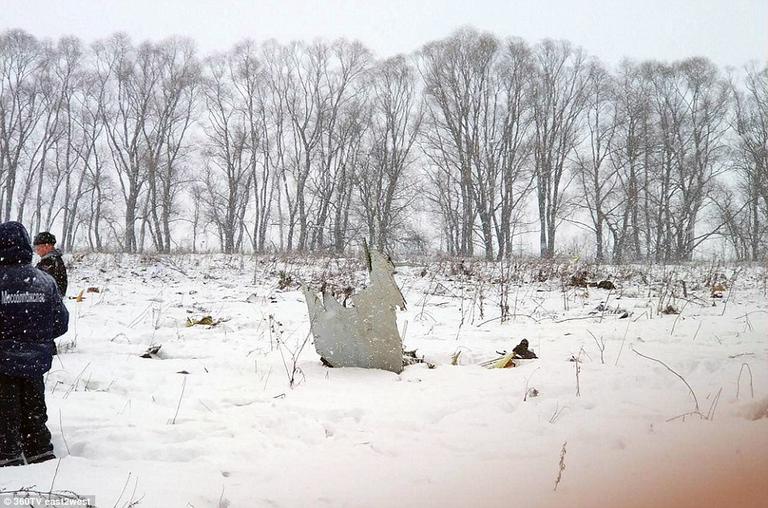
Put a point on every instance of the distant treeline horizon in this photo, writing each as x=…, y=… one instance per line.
x=461, y=148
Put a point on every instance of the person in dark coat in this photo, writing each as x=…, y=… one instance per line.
x=50, y=260
x=32, y=314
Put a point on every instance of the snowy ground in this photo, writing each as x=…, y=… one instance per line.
x=232, y=432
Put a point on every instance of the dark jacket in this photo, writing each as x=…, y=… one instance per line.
x=31, y=311
x=53, y=265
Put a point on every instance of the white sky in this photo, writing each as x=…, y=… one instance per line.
x=730, y=32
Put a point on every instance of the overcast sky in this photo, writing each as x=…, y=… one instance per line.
x=730, y=32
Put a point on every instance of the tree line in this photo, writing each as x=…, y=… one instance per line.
x=312, y=146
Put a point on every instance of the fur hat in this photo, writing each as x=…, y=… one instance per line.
x=44, y=238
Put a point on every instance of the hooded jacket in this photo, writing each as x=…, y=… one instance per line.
x=31, y=311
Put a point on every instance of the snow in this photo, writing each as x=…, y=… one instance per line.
x=233, y=432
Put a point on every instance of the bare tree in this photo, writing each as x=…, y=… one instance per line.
x=707, y=100
x=73, y=147
x=691, y=103
x=128, y=82
x=512, y=152
x=260, y=110
x=21, y=108
x=166, y=133
x=751, y=160
x=228, y=153
x=37, y=152
x=628, y=154
x=559, y=96
x=300, y=82
x=463, y=104
x=477, y=136
x=343, y=67
x=94, y=156
x=597, y=177
x=384, y=180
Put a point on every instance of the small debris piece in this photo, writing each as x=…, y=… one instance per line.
x=205, y=321
x=533, y=392
x=623, y=313
x=410, y=358
x=93, y=290
x=579, y=279
x=719, y=287
x=669, y=309
x=505, y=362
x=182, y=372
x=284, y=280
x=521, y=351
x=152, y=351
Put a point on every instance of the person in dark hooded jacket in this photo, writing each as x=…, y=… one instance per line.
x=51, y=261
x=32, y=314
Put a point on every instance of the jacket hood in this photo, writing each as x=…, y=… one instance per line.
x=15, y=246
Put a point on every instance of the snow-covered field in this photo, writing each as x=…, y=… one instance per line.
x=211, y=420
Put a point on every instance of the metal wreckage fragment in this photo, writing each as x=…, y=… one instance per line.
x=364, y=335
